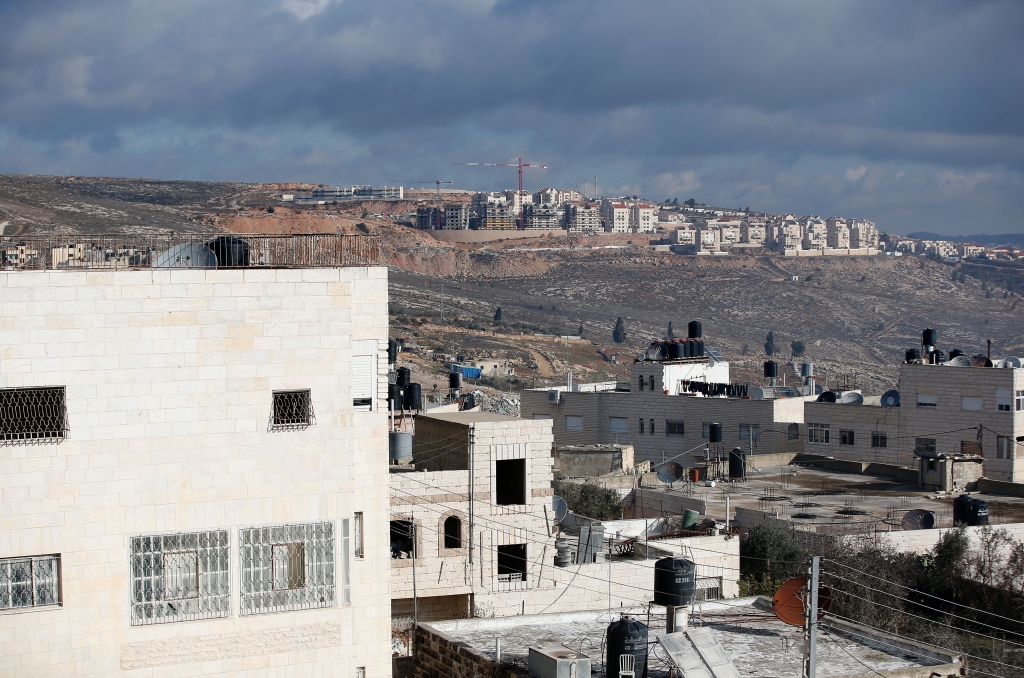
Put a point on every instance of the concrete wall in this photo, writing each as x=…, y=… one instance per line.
x=590, y=463
x=168, y=377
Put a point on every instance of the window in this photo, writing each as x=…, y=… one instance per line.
x=641, y=427
x=674, y=428
x=346, y=569
x=364, y=379
x=360, y=672
x=512, y=563
x=618, y=425
x=750, y=432
x=287, y=567
x=402, y=534
x=641, y=382
x=573, y=424
x=29, y=582
x=357, y=535
x=819, y=434
x=879, y=439
x=33, y=415
x=452, y=532
x=845, y=437
x=1019, y=401
x=180, y=577
x=705, y=430
x=293, y=410
x=970, y=447
x=970, y=404
x=932, y=465
x=793, y=432
x=652, y=426
x=510, y=482
x=926, y=400
x=1004, y=446
x=1003, y=400
x=924, y=446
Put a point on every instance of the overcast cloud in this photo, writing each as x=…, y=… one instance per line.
x=905, y=113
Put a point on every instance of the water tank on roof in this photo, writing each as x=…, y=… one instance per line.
x=674, y=581
x=412, y=398
x=392, y=351
x=694, y=330
x=771, y=369
x=970, y=511
x=714, y=433
x=912, y=354
x=626, y=636
x=698, y=349
x=455, y=380
x=807, y=369
x=929, y=337
x=404, y=375
x=677, y=348
x=394, y=396
x=955, y=352
x=737, y=464
x=399, y=445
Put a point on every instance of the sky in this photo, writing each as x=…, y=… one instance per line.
x=908, y=114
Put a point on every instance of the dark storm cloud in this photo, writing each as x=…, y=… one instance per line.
x=777, y=104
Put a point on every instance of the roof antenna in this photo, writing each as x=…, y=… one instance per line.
x=989, y=349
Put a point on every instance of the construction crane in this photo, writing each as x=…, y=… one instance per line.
x=438, y=182
x=514, y=162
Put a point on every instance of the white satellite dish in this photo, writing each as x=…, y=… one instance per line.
x=1010, y=362
x=851, y=398
x=188, y=255
x=959, y=361
x=560, y=508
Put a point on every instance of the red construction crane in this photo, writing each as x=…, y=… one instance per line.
x=514, y=162
x=438, y=182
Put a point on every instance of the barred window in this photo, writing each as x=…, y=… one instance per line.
x=33, y=415
x=180, y=577
x=750, y=433
x=846, y=437
x=287, y=567
x=29, y=582
x=293, y=410
x=879, y=439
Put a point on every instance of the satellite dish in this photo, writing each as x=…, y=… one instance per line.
x=891, y=399
x=918, y=519
x=827, y=397
x=1010, y=362
x=788, y=601
x=654, y=352
x=561, y=509
x=852, y=398
x=187, y=256
x=670, y=472
x=959, y=361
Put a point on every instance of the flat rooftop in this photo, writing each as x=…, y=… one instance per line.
x=756, y=641
x=467, y=417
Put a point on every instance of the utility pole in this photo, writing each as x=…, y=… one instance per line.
x=811, y=620
x=415, y=598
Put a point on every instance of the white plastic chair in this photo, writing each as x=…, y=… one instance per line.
x=627, y=663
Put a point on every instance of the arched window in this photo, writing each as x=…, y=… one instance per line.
x=652, y=427
x=641, y=382
x=641, y=427
x=452, y=532
x=793, y=432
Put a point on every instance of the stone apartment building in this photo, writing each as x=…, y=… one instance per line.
x=837, y=233
x=642, y=218
x=583, y=217
x=753, y=233
x=863, y=234
x=546, y=216
x=940, y=410
x=457, y=216
x=187, y=456
x=615, y=216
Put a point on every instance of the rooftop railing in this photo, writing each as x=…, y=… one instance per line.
x=188, y=250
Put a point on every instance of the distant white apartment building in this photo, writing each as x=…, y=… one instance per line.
x=863, y=233
x=195, y=474
x=615, y=216
x=753, y=233
x=457, y=216
x=583, y=217
x=517, y=200
x=642, y=218
x=554, y=196
x=352, y=192
x=684, y=236
x=970, y=250
x=815, y=234
x=837, y=233
x=546, y=216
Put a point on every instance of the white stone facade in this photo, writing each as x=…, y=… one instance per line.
x=169, y=376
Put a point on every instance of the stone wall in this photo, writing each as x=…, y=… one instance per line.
x=441, y=656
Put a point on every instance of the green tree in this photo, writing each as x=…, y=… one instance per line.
x=671, y=331
x=769, y=344
x=797, y=347
x=579, y=331
x=619, y=333
x=497, y=316
x=590, y=500
x=770, y=554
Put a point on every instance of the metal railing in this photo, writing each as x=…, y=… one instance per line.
x=188, y=250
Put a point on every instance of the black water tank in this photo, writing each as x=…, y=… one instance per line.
x=955, y=353
x=403, y=376
x=686, y=348
x=929, y=337
x=392, y=351
x=961, y=507
x=979, y=512
x=666, y=350
x=455, y=380
x=714, y=433
x=771, y=369
x=469, y=401
x=698, y=349
x=230, y=251
x=737, y=464
x=626, y=636
x=674, y=581
x=412, y=398
x=693, y=330
x=678, y=350
x=912, y=354
x=460, y=358
x=394, y=396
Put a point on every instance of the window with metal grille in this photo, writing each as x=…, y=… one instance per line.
x=287, y=567
x=750, y=432
x=674, y=428
x=180, y=577
x=879, y=439
x=293, y=410
x=707, y=588
x=845, y=437
x=793, y=432
x=30, y=582
x=33, y=415
x=357, y=535
x=819, y=434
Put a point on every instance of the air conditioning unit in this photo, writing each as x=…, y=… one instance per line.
x=553, y=396
x=558, y=661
